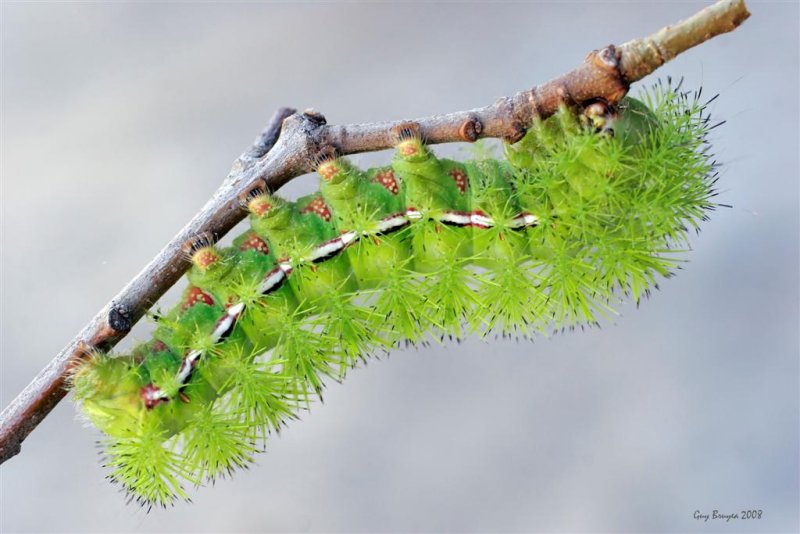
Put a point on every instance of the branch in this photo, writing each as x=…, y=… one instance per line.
x=290, y=144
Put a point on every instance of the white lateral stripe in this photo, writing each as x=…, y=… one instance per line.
x=392, y=222
x=479, y=219
x=413, y=214
x=222, y=326
x=348, y=237
x=524, y=219
x=187, y=365
x=155, y=394
x=329, y=248
x=235, y=310
x=285, y=266
x=531, y=220
x=273, y=278
x=455, y=217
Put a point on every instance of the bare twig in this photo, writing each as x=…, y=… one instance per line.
x=288, y=147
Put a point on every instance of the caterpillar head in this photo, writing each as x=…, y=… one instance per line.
x=578, y=158
x=600, y=116
x=631, y=120
x=635, y=122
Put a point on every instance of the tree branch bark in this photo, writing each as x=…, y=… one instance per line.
x=288, y=147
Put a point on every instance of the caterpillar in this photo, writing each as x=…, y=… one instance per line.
x=591, y=205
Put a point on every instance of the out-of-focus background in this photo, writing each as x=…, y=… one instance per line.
x=120, y=120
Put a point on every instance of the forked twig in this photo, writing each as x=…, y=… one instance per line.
x=288, y=147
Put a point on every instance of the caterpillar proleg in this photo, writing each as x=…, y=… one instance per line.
x=591, y=204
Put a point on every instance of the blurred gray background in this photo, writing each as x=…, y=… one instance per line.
x=120, y=120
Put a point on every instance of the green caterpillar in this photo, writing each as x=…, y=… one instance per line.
x=591, y=202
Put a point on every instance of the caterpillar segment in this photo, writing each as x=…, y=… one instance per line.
x=584, y=208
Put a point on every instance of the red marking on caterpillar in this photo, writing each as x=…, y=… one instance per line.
x=224, y=326
x=386, y=179
x=409, y=147
x=318, y=207
x=194, y=295
x=259, y=205
x=328, y=170
x=152, y=396
x=460, y=178
x=253, y=242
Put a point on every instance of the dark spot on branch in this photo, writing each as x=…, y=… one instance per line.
x=119, y=318
x=470, y=129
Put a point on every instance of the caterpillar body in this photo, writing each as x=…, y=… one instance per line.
x=589, y=204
